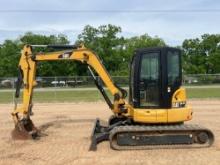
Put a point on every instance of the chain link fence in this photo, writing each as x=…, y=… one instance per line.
x=201, y=79
x=63, y=82
x=61, y=88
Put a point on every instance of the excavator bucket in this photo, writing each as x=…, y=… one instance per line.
x=24, y=130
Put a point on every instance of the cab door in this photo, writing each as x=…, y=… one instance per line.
x=149, y=80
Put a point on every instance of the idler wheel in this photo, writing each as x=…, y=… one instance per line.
x=202, y=137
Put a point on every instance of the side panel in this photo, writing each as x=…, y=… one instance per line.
x=179, y=114
x=162, y=115
x=145, y=116
x=173, y=115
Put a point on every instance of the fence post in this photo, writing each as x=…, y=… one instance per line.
x=55, y=88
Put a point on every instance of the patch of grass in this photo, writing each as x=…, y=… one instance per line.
x=6, y=97
x=67, y=96
x=94, y=95
x=203, y=92
x=56, y=96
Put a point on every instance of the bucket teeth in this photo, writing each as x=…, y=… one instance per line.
x=24, y=130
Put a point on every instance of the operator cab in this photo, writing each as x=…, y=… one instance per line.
x=155, y=75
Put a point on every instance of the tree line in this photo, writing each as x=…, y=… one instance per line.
x=200, y=55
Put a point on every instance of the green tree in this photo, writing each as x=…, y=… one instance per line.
x=9, y=58
x=52, y=68
x=38, y=39
x=202, y=55
x=136, y=42
x=116, y=51
x=106, y=42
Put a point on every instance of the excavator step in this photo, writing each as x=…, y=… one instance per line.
x=160, y=136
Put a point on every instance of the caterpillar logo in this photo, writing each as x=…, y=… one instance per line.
x=65, y=55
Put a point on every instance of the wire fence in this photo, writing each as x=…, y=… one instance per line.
x=87, y=81
x=63, y=82
x=82, y=88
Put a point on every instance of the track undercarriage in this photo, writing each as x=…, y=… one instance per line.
x=125, y=135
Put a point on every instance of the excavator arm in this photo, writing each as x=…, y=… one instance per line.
x=27, y=74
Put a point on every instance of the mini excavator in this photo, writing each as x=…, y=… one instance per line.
x=154, y=115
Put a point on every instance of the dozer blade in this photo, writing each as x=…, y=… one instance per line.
x=100, y=133
x=24, y=130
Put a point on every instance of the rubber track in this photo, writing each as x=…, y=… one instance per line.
x=165, y=129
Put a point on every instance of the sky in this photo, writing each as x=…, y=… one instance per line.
x=173, y=27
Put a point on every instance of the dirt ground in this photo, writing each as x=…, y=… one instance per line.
x=69, y=126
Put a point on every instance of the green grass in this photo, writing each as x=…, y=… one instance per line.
x=6, y=97
x=94, y=95
x=203, y=92
x=58, y=96
x=67, y=96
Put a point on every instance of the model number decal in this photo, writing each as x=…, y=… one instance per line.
x=65, y=55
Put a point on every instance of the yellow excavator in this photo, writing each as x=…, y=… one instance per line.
x=154, y=115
